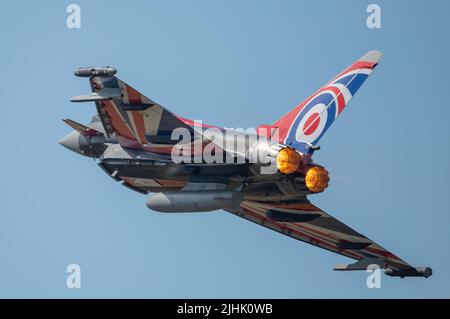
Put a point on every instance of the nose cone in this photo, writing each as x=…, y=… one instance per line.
x=72, y=142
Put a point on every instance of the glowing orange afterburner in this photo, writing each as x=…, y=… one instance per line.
x=316, y=179
x=288, y=160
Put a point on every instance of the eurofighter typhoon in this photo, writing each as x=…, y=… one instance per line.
x=265, y=176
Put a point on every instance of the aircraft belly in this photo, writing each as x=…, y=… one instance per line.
x=154, y=176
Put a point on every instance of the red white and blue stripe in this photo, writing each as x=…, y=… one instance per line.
x=307, y=123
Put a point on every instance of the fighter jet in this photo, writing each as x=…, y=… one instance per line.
x=267, y=180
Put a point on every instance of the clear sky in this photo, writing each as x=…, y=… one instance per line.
x=237, y=64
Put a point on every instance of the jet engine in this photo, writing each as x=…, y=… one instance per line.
x=194, y=201
x=316, y=179
x=288, y=160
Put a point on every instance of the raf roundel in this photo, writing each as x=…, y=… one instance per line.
x=312, y=124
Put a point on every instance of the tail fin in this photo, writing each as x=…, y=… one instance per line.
x=303, y=126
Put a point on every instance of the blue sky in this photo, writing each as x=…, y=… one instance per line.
x=236, y=64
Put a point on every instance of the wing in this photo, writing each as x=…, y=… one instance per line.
x=137, y=121
x=302, y=220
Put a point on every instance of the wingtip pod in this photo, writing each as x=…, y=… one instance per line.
x=94, y=71
x=413, y=272
x=402, y=272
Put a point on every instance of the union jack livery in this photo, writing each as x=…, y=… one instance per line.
x=303, y=127
x=138, y=143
